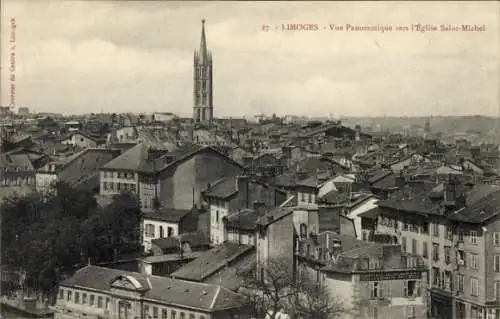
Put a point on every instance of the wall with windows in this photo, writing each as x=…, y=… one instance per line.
x=80, y=303
x=80, y=140
x=218, y=209
x=72, y=303
x=154, y=229
x=182, y=184
x=305, y=196
x=114, y=182
x=149, y=191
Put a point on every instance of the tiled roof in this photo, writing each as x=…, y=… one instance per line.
x=245, y=219
x=274, y=215
x=482, y=204
x=16, y=162
x=130, y=160
x=193, y=239
x=223, y=188
x=170, y=158
x=168, y=215
x=205, y=297
x=353, y=251
x=209, y=262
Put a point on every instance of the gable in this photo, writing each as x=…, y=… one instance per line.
x=127, y=282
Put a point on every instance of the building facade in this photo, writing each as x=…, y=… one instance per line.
x=97, y=292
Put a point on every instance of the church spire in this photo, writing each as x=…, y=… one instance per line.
x=203, y=43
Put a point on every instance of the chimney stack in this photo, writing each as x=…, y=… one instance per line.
x=454, y=193
x=400, y=180
x=242, y=187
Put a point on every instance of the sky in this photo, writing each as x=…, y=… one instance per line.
x=137, y=56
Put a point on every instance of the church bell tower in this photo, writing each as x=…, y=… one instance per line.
x=203, y=110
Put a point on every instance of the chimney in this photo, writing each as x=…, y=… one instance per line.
x=400, y=180
x=259, y=207
x=190, y=131
x=242, y=187
x=454, y=193
x=475, y=152
x=287, y=152
x=336, y=249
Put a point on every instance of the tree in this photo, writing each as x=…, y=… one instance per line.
x=283, y=290
x=49, y=235
x=268, y=295
x=314, y=301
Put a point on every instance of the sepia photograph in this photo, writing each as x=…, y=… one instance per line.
x=249, y=159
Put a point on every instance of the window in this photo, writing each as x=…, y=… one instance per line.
x=497, y=290
x=375, y=312
x=146, y=310
x=435, y=276
x=403, y=243
x=164, y=314
x=474, y=261
x=425, y=250
x=473, y=237
x=216, y=216
x=411, y=312
x=303, y=231
x=460, y=235
x=169, y=231
x=405, y=225
x=414, y=246
x=435, y=252
x=449, y=233
x=99, y=302
x=84, y=299
x=150, y=231
x=411, y=288
x=425, y=228
x=462, y=260
x=155, y=312
x=496, y=238
x=447, y=254
x=91, y=300
x=496, y=263
x=77, y=297
x=182, y=315
x=374, y=289
x=191, y=316
x=474, y=286
x=435, y=230
x=460, y=282
x=61, y=293
x=173, y=314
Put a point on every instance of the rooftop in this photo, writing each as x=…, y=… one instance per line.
x=204, y=297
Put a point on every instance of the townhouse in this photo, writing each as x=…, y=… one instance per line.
x=229, y=195
x=168, y=179
x=454, y=228
x=75, y=169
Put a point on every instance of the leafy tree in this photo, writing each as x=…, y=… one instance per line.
x=49, y=235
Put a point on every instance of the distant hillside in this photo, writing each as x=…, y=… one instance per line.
x=475, y=123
